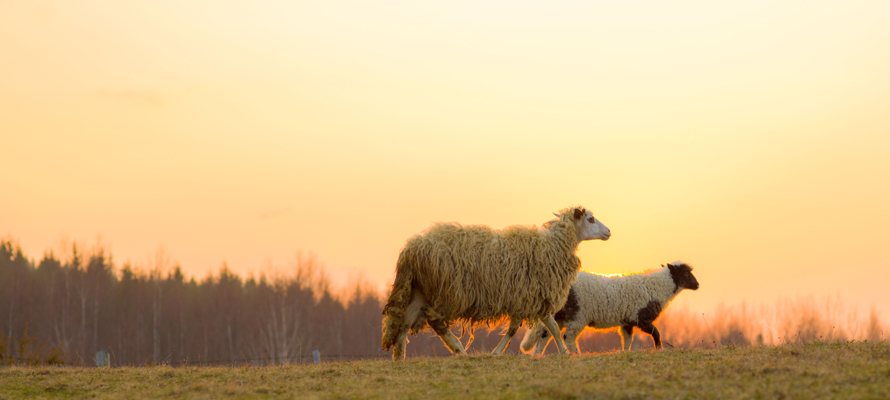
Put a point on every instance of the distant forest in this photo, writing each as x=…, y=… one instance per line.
x=66, y=308
x=84, y=303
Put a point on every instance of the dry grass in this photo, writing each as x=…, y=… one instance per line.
x=803, y=318
x=816, y=370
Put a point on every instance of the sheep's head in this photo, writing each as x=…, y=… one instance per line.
x=682, y=276
x=588, y=227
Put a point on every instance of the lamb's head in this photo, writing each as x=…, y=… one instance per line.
x=588, y=227
x=682, y=276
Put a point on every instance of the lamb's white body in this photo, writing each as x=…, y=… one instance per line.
x=626, y=301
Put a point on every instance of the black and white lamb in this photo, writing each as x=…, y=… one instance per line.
x=627, y=301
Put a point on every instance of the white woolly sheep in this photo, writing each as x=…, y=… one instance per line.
x=626, y=301
x=476, y=274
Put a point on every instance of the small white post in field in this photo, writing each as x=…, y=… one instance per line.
x=102, y=359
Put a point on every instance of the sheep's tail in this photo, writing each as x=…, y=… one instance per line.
x=531, y=337
x=397, y=304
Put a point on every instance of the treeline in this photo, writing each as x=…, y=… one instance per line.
x=82, y=304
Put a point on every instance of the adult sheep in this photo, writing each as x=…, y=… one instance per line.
x=616, y=301
x=476, y=275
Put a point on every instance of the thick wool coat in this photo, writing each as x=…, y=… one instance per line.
x=479, y=275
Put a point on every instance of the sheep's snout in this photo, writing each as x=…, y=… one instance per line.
x=604, y=233
x=594, y=229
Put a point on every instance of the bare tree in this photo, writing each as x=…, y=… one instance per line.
x=160, y=264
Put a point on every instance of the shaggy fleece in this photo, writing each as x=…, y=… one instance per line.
x=476, y=274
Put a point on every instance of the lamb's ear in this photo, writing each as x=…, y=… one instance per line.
x=557, y=215
x=579, y=212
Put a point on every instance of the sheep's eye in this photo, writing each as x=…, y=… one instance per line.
x=590, y=220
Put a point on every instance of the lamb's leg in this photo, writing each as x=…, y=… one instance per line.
x=553, y=328
x=398, y=351
x=543, y=341
x=441, y=328
x=511, y=331
x=652, y=330
x=571, y=338
x=627, y=336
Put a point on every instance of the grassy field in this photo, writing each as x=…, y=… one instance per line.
x=846, y=370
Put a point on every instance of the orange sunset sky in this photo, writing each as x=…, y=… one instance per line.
x=749, y=139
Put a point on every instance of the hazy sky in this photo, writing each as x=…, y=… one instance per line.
x=750, y=139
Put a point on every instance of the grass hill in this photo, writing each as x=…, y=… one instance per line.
x=848, y=370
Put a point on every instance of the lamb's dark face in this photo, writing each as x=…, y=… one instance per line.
x=682, y=275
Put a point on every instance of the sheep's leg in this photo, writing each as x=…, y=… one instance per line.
x=652, y=330
x=450, y=341
x=531, y=337
x=543, y=341
x=571, y=338
x=441, y=328
x=627, y=337
x=511, y=331
x=398, y=351
x=551, y=325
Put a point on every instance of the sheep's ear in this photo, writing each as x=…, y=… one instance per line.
x=556, y=214
x=579, y=212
